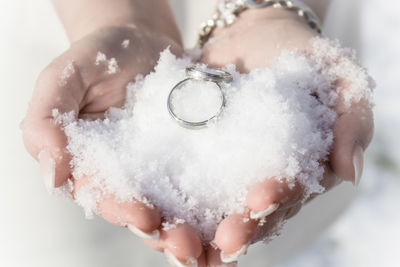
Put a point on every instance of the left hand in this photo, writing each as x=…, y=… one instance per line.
x=254, y=40
x=75, y=82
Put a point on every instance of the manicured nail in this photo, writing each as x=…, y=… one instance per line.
x=228, y=258
x=153, y=236
x=191, y=262
x=358, y=163
x=264, y=213
x=48, y=169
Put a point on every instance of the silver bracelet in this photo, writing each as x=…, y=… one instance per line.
x=228, y=10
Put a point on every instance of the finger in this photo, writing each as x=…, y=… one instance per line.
x=141, y=219
x=181, y=245
x=233, y=236
x=273, y=224
x=214, y=259
x=353, y=132
x=236, y=231
x=202, y=260
x=292, y=211
x=58, y=87
x=267, y=196
x=328, y=181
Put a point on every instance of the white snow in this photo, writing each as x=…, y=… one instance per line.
x=272, y=126
x=125, y=43
x=112, y=64
x=367, y=234
x=68, y=70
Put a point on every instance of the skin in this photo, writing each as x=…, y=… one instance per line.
x=101, y=25
x=273, y=31
x=90, y=90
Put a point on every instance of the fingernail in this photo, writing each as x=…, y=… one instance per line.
x=228, y=258
x=358, y=163
x=48, y=169
x=150, y=236
x=264, y=213
x=191, y=262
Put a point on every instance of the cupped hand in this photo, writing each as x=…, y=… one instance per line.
x=255, y=40
x=89, y=78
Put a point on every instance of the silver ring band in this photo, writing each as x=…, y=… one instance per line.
x=191, y=124
x=208, y=74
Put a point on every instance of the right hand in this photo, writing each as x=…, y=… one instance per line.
x=256, y=40
x=74, y=82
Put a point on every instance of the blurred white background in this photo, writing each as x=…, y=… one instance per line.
x=39, y=230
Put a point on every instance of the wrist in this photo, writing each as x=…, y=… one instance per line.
x=84, y=28
x=256, y=12
x=265, y=30
x=266, y=19
x=82, y=17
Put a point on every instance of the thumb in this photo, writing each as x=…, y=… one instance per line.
x=58, y=87
x=353, y=132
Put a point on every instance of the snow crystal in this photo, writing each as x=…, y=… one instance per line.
x=67, y=72
x=277, y=123
x=101, y=57
x=166, y=226
x=112, y=64
x=125, y=43
x=341, y=64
